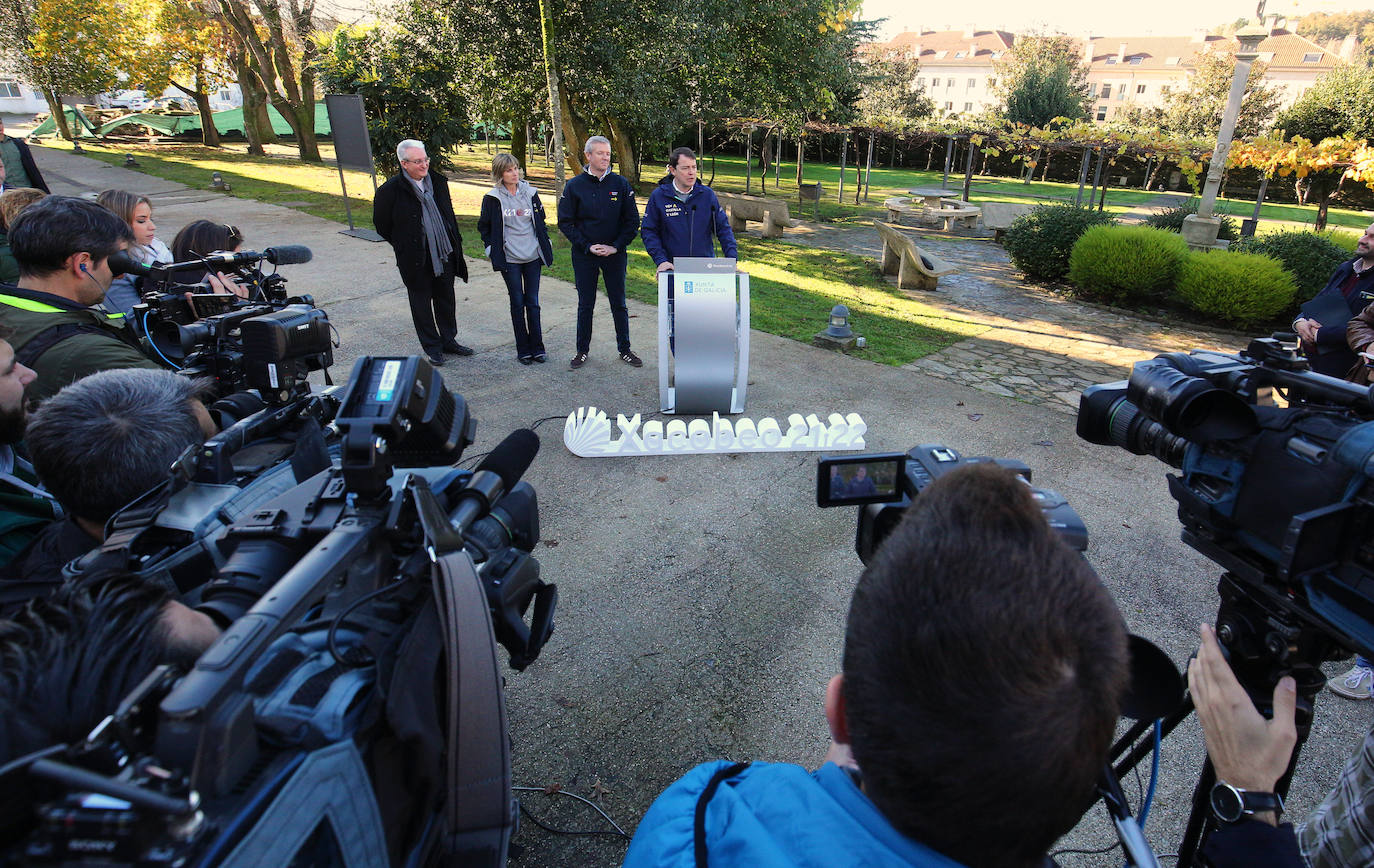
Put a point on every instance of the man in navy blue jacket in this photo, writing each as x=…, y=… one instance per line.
x=682, y=214
x=1324, y=342
x=680, y=217
x=598, y=215
x=922, y=771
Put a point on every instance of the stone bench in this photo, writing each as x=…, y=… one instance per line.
x=915, y=268
x=772, y=213
x=998, y=216
x=897, y=206
x=953, y=211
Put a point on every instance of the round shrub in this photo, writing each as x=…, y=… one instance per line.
x=1309, y=256
x=1040, y=242
x=1172, y=220
x=1126, y=264
x=1240, y=288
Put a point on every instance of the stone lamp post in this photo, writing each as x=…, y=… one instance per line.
x=1200, y=229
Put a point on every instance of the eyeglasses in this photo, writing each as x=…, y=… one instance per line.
x=235, y=236
x=417, y=161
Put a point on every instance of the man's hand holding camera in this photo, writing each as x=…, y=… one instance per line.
x=1247, y=751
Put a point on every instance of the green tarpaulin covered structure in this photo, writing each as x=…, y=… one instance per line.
x=226, y=122
x=76, y=119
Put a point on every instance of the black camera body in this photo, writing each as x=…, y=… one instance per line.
x=268, y=342
x=885, y=484
x=361, y=608
x=1279, y=496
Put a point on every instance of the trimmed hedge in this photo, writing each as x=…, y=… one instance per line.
x=1309, y=256
x=1040, y=242
x=1126, y=264
x=1172, y=220
x=1245, y=289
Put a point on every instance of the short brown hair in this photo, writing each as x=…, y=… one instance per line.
x=984, y=664
x=500, y=163
x=678, y=154
x=14, y=200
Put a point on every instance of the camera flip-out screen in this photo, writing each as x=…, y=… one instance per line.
x=841, y=481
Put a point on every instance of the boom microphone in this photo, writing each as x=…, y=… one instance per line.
x=496, y=475
x=286, y=254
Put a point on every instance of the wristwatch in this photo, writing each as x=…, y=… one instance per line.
x=1232, y=804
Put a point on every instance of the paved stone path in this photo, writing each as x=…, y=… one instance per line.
x=1040, y=347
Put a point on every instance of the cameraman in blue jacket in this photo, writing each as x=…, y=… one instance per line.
x=922, y=770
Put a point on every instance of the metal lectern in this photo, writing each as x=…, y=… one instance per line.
x=705, y=367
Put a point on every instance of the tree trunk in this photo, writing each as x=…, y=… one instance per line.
x=555, y=97
x=574, y=131
x=930, y=155
x=1154, y=173
x=59, y=113
x=209, y=136
x=257, y=126
x=1322, y=204
x=519, y=140
x=1046, y=173
x=624, y=148
x=801, y=158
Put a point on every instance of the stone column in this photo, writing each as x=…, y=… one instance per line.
x=1200, y=229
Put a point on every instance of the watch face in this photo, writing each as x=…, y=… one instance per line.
x=1226, y=803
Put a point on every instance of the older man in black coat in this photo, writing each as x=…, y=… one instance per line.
x=413, y=212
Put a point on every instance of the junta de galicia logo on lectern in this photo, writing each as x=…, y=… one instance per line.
x=587, y=433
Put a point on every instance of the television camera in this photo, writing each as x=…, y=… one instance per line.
x=1278, y=496
x=267, y=340
x=351, y=713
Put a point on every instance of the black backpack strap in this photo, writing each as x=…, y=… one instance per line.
x=40, y=343
x=722, y=774
x=478, y=811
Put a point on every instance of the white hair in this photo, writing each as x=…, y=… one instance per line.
x=595, y=140
x=407, y=145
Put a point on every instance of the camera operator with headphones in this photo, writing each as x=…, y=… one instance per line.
x=63, y=245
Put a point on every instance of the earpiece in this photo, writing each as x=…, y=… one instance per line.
x=82, y=266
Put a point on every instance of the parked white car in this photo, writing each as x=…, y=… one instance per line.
x=133, y=100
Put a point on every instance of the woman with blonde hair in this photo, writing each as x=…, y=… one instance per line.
x=137, y=211
x=517, y=242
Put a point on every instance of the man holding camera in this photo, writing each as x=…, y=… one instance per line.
x=414, y=213
x=63, y=245
x=922, y=769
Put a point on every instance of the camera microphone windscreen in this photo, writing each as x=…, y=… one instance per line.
x=122, y=263
x=512, y=456
x=288, y=254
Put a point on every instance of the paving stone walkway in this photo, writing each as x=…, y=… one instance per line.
x=1040, y=347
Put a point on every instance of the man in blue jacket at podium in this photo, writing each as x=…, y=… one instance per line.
x=682, y=214
x=680, y=217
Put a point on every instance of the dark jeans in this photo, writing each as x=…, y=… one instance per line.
x=522, y=282
x=433, y=310
x=612, y=270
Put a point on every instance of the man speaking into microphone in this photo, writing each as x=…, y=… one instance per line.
x=63, y=246
x=680, y=218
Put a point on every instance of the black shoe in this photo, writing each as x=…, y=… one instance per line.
x=578, y=361
x=436, y=360
x=631, y=359
x=457, y=349
x=526, y=360
x=541, y=358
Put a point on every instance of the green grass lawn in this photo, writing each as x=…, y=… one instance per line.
x=792, y=287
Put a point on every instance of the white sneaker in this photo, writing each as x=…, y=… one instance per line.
x=1354, y=684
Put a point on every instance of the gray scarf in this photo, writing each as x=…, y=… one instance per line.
x=436, y=237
